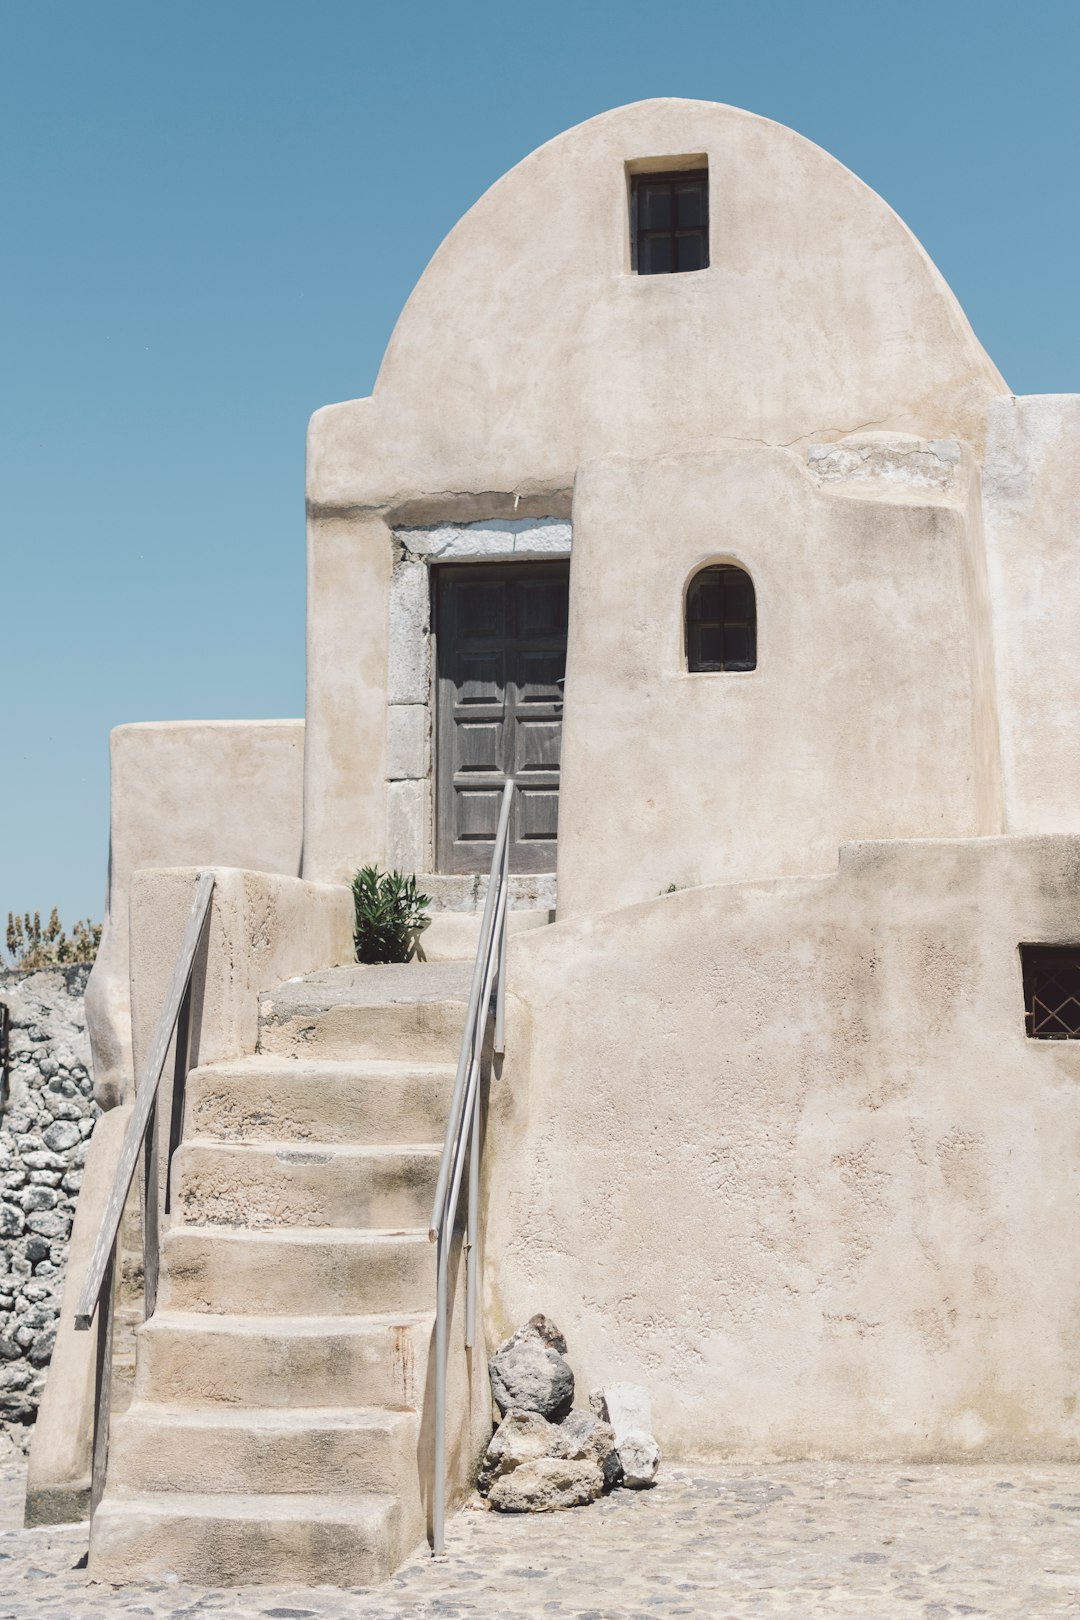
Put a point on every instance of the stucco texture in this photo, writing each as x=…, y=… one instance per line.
x=783, y=1153
x=200, y=792
x=529, y=345
x=865, y=716
x=1031, y=503
x=530, y=348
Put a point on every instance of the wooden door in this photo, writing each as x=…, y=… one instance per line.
x=501, y=654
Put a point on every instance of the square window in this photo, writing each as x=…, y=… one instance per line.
x=669, y=222
x=1051, y=991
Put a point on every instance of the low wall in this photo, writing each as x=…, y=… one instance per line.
x=47, y=1113
x=784, y=1153
x=187, y=793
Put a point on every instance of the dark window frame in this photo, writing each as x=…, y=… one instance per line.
x=1051, y=978
x=641, y=234
x=732, y=631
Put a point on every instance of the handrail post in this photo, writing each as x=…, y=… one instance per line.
x=472, y=1218
x=103, y=1381
x=180, y=1073
x=151, y=1213
x=463, y=1136
x=500, y=994
x=141, y=1139
x=438, y=1493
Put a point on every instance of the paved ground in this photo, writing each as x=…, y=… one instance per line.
x=800, y=1542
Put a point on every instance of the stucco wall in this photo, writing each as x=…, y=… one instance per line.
x=528, y=345
x=864, y=716
x=784, y=1153
x=529, y=348
x=206, y=793
x=1031, y=498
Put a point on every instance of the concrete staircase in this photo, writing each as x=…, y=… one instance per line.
x=275, y=1432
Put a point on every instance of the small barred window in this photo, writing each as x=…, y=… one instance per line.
x=1051, y=991
x=669, y=229
x=721, y=620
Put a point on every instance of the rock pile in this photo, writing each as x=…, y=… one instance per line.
x=47, y=1112
x=545, y=1454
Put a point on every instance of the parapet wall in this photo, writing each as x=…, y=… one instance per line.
x=785, y=1153
x=47, y=1112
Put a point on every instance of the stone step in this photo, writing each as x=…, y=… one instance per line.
x=284, y=1361
x=411, y=1012
x=284, y=1184
x=273, y=1098
x=225, y=1540
x=340, y=1451
x=302, y=1272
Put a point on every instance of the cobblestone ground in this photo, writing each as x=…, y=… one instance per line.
x=798, y=1541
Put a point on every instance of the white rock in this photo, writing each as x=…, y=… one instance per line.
x=639, y=1455
x=629, y=1411
x=628, y=1407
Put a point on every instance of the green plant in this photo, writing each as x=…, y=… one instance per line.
x=33, y=946
x=389, y=915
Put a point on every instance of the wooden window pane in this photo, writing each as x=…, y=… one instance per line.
x=656, y=208
x=711, y=646
x=690, y=204
x=657, y=256
x=690, y=252
x=707, y=595
x=739, y=594
x=738, y=647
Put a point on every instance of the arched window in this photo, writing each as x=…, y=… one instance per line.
x=721, y=620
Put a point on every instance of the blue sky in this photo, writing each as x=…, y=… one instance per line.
x=212, y=214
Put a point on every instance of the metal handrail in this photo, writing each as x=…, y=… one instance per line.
x=463, y=1141
x=141, y=1137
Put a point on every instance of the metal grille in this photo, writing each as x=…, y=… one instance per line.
x=1051, y=991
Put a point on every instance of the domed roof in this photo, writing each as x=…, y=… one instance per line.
x=529, y=345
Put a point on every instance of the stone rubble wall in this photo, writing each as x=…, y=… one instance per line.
x=47, y=1112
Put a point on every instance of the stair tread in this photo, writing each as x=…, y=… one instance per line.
x=176, y=1414
x=281, y=1324
x=284, y=1063
x=303, y=1148
x=302, y=1235
x=225, y=1505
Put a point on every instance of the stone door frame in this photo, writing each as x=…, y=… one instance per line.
x=410, y=686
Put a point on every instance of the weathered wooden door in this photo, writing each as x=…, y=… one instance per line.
x=501, y=654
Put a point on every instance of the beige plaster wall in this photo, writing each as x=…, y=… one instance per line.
x=528, y=345
x=866, y=716
x=263, y=929
x=529, y=348
x=1031, y=495
x=349, y=569
x=784, y=1153
x=187, y=793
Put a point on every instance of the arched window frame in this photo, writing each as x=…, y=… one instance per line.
x=731, y=565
